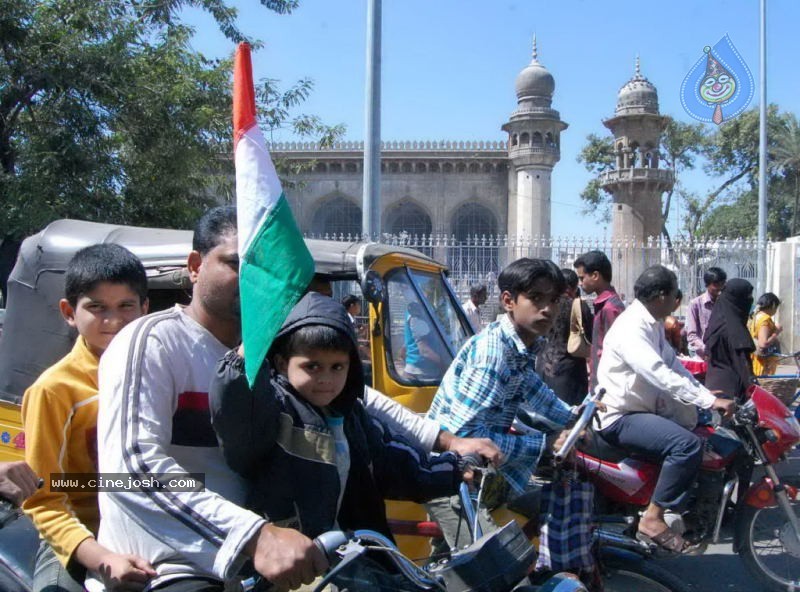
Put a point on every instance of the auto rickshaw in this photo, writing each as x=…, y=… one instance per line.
x=412, y=330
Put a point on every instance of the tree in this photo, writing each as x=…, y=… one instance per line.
x=786, y=161
x=732, y=154
x=729, y=154
x=107, y=114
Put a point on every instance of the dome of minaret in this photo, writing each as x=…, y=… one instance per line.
x=638, y=95
x=534, y=80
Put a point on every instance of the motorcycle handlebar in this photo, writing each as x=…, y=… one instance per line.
x=589, y=409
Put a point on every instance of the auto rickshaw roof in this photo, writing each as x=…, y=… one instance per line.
x=161, y=249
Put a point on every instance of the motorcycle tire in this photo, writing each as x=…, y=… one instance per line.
x=623, y=572
x=760, y=532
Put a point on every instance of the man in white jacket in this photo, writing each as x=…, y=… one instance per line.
x=154, y=420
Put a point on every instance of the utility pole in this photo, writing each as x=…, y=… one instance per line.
x=371, y=202
x=761, y=282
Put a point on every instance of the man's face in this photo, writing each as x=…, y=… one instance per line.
x=665, y=304
x=587, y=281
x=480, y=298
x=532, y=313
x=217, y=280
x=715, y=289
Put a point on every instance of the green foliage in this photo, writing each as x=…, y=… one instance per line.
x=107, y=114
x=728, y=153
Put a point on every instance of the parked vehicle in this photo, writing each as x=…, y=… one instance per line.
x=765, y=511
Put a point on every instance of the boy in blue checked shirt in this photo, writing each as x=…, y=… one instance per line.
x=493, y=374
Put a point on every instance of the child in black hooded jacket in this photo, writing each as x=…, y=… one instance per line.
x=315, y=460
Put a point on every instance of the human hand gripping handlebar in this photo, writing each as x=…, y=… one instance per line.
x=589, y=409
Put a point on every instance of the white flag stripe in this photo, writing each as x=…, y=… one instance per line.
x=257, y=186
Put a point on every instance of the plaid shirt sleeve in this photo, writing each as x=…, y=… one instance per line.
x=481, y=408
x=478, y=406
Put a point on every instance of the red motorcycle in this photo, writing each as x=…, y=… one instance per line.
x=737, y=478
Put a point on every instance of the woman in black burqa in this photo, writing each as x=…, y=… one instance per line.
x=728, y=342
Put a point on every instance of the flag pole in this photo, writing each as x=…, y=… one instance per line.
x=371, y=201
x=762, y=154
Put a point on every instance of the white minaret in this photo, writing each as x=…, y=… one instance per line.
x=636, y=182
x=534, y=147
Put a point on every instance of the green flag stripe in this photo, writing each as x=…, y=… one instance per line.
x=274, y=274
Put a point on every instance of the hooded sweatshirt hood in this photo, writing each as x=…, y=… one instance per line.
x=315, y=309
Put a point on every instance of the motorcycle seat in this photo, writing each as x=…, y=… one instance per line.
x=594, y=445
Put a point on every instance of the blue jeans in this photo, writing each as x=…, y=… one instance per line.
x=661, y=440
x=50, y=576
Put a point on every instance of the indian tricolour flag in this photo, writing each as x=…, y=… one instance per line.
x=275, y=266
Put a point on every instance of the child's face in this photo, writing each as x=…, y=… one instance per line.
x=532, y=314
x=103, y=312
x=318, y=375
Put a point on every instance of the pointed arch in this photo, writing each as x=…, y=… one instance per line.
x=473, y=219
x=408, y=216
x=337, y=215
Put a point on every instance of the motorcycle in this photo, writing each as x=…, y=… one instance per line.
x=765, y=509
x=622, y=566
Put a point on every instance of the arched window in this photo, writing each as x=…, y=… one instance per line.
x=422, y=167
x=434, y=167
x=351, y=167
x=447, y=167
x=461, y=168
x=537, y=139
x=408, y=217
x=514, y=140
x=394, y=167
x=320, y=167
x=488, y=167
x=548, y=138
x=473, y=219
x=337, y=216
x=474, y=167
x=407, y=167
x=336, y=167
x=525, y=139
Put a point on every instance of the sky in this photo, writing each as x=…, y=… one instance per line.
x=448, y=66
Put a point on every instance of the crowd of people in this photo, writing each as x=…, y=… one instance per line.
x=309, y=446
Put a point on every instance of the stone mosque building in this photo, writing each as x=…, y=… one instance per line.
x=468, y=189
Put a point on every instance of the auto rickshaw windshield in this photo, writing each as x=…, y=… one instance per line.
x=425, y=326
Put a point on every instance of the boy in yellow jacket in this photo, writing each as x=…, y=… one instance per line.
x=106, y=288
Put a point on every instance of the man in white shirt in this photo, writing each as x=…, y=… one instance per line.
x=477, y=298
x=651, y=400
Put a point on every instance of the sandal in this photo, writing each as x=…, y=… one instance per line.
x=667, y=540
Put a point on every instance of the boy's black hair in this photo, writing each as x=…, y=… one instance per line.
x=519, y=276
x=655, y=281
x=212, y=226
x=714, y=275
x=312, y=337
x=595, y=261
x=768, y=299
x=107, y=262
x=570, y=278
x=350, y=300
